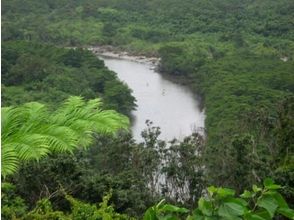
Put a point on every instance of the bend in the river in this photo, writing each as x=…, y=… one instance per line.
x=171, y=106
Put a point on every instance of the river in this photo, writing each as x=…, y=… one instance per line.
x=171, y=106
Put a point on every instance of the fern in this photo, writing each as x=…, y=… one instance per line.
x=30, y=131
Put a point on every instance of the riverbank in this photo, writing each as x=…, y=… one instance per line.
x=109, y=51
x=113, y=52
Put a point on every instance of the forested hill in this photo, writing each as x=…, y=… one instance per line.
x=44, y=73
x=237, y=54
x=141, y=25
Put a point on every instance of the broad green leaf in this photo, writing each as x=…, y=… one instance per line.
x=224, y=192
x=280, y=200
x=269, y=203
x=289, y=213
x=239, y=201
x=253, y=217
x=230, y=209
x=205, y=207
x=197, y=214
x=150, y=214
x=269, y=184
x=263, y=214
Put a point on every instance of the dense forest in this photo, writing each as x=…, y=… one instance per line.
x=237, y=54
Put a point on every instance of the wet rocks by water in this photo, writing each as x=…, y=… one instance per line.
x=110, y=51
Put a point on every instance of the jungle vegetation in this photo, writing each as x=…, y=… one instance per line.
x=238, y=55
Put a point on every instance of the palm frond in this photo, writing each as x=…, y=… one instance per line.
x=30, y=132
x=9, y=160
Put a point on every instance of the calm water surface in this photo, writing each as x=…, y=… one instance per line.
x=170, y=106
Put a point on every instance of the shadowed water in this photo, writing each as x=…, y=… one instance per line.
x=170, y=106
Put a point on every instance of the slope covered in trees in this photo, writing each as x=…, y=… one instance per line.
x=146, y=24
x=237, y=54
x=36, y=72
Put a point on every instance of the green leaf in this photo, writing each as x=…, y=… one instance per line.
x=160, y=204
x=211, y=190
x=172, y=208
x=197, y=215
x=230, y=209
x=280, y=200
x=150, y=214
x=9, y=160
x=256, y=188
x=239, y=201
x=269, y=203
x=247, y=194
x=269, y=184
x=30, y=131
x=205, y=207
x=253, y=217
x=263, y=214
x=289, y=213
x=224, y=192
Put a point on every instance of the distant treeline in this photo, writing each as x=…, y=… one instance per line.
x=238, y=55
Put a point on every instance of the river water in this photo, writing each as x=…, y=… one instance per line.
x=171, y=106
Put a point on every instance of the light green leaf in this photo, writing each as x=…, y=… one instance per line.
x=269, y=203
x=205, y=207
x=280, y=200
x=269, y=184
x=247, y=194
x=30, y=131
x=230, y=209
x=289, y=213
x=211, y=190
x=224, y=192
x=150, y=214
x=256, y=188
x=239, y=201
x=172, y=208
x=253, y=217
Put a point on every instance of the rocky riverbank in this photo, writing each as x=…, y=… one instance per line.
x=110, y=51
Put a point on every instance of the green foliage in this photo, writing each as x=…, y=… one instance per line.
x=163, y=211
x=30, y=132
x=184, y=170
x=92, y=22
x=176, y=60
x=228, y=51
x=112, y=162
x=12, y=206
x=79, y=210
x=134, y=172
x=221, y=203
x=85, y=211
x=43, y=73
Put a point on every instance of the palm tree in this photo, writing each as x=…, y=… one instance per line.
x=31, y=131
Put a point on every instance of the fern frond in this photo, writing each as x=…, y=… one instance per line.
x=9, y=160
x=30, y=132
